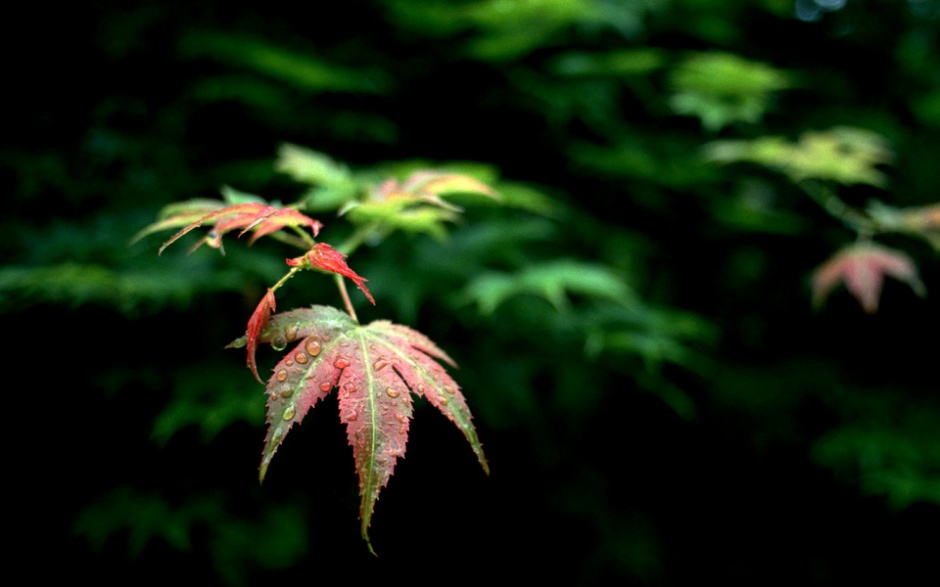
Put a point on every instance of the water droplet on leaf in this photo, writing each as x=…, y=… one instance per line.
x=289, y=413
x=326, y=386
x=281, y=375
x=301, y=357
x=392, y=393
x=286, y=392
x=290, y=333
x=341, y=363
x=278, y=343
x=313, y=346
x=352, y=416
x=449, y=389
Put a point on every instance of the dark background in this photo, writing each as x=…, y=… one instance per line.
x=778, y=445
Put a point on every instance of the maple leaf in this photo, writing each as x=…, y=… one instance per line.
x=259, y=318
x=179, y=214
x=376, y=368
x=862, y=267
x=847, y=155
x=416, y=205
x=260, y=218
x=325, y=257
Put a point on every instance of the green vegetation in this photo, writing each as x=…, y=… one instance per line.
x=695, y=328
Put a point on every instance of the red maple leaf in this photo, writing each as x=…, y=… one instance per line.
x=259, y=318
x=323, y=256
x=262, y=219
x=862, y=267
x=376, y=369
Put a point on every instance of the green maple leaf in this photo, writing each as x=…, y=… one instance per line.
x=847, y=155
x=376, y=369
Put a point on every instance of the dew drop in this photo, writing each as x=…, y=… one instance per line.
x=286, y=392
x=436, y=377
x=392, y=393
x=289, y=413
x=449, y=389
x=289, y=363
x=352, y=416
x=420, y=388
x=326, y=386
x=340, y=363
x=301, y=357
x=290, y=333
x=400, y=417
x=380, y=364
x=349, y=388
x=443, y=400
x=281, y=375
x=325, y=337
x=278, y=343
x=313, y=346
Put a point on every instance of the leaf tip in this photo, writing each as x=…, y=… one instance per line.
x=365, y=536
x=263, y=469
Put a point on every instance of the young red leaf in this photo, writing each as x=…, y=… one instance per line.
x=259, y=318
x=323, y=256
x=263, y=219
x=862, y=267
x=179, y=214
x=376, y=368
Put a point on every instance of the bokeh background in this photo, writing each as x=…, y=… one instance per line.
x=659, y=401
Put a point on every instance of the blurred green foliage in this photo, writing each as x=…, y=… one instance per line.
x=723, y=88
x=632, y=318
x=844, y=155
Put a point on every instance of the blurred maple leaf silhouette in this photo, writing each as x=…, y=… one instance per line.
x=862, y=267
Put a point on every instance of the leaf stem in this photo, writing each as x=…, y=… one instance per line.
x=303, y=243
x=348, y=246
x=852, y=217
x=293, y=271
x=307, y=239
x=358, y=237
x=341, y=284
